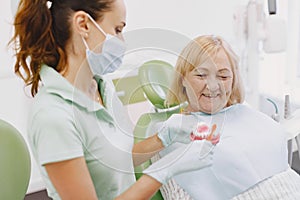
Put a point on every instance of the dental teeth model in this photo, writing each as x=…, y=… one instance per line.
x=201, y=132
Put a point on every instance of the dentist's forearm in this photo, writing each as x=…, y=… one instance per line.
x=145, y=149
x=143, y=189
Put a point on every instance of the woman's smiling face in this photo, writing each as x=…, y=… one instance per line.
x=208, y=86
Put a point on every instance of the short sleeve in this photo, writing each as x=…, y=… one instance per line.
x=54, y=136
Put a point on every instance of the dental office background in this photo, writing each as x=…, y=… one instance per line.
x=268, y=45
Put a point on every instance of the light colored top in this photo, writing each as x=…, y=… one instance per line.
x=252, y=148
x=64, y=124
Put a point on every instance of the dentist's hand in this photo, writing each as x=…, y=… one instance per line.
x=177, y=129
x=194, y=156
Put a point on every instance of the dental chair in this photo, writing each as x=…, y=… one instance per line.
x=155, y=77
x=15, y=164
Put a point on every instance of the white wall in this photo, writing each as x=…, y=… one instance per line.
x=160, y=29
x=190, y=17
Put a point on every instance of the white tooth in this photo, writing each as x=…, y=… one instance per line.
x=210, y=96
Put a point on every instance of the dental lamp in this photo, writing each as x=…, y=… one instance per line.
x=270, y=29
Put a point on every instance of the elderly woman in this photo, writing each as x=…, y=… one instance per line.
x=250, y=161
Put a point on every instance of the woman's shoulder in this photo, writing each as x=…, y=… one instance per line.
x=48, y=106
x=48, y=116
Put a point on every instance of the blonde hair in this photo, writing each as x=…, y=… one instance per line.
x=193, y=55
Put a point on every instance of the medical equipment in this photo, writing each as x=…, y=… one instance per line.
x=257, y=32
x=201, y=131
x=276, y=115
x=214, y=134
x=272, y=6
x=291, y=123
x=292, y=126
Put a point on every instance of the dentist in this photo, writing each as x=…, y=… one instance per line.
x=77, y=127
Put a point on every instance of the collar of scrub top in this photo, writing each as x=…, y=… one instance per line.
x=57, y=84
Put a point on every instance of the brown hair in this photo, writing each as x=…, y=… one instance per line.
x=41, y=34
x=193, y=55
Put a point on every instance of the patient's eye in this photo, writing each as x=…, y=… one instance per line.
x=224, y=77
x=201, y=72
x=201, y=75
x=224, y=74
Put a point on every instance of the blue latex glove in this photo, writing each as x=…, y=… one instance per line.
x=194, y=156
x=177, y=129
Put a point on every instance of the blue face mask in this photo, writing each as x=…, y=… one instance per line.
x=110, y=59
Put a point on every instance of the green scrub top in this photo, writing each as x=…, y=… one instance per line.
x=65, y=124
